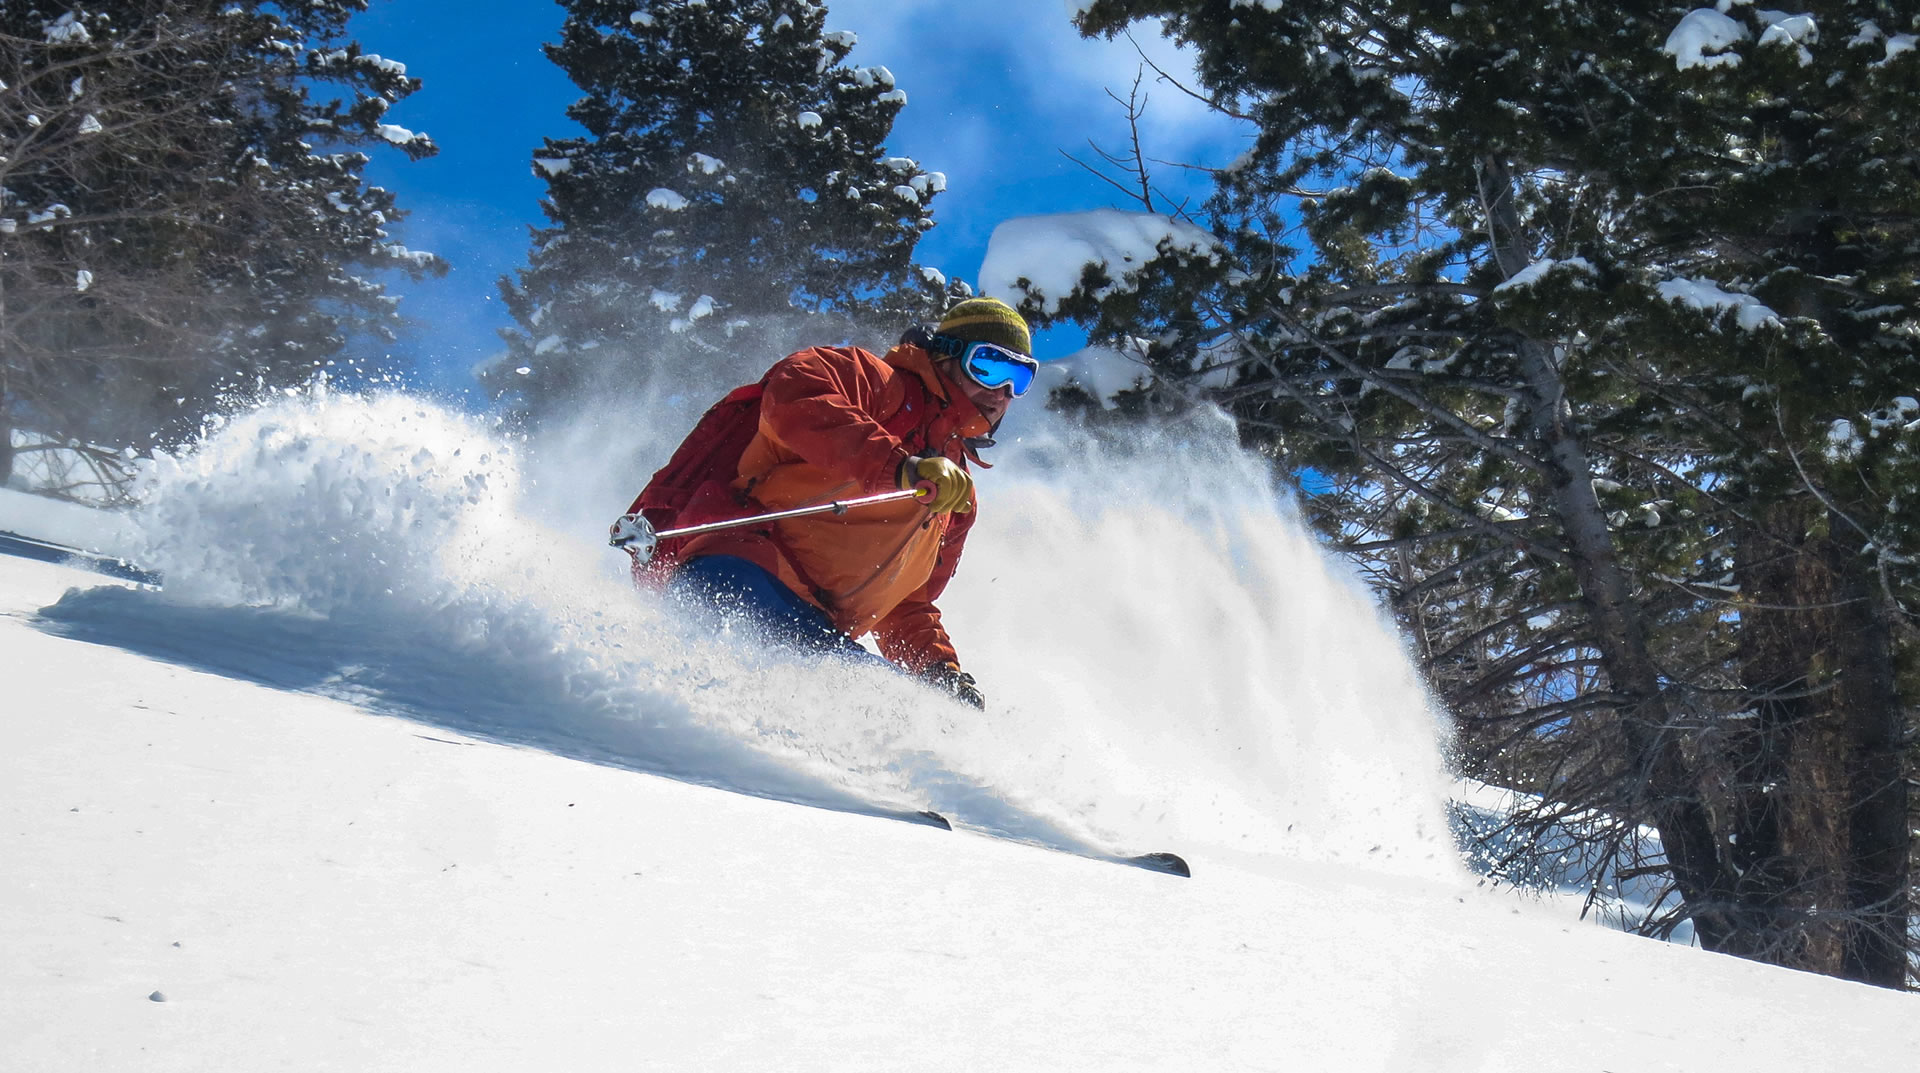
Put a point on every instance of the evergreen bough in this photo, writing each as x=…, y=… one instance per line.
x=732, y=200
x=1599, y=325
x=183, y=208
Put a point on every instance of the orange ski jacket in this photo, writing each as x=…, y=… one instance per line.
x=837, y=422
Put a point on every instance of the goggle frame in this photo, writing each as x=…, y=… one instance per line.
x=965, y=352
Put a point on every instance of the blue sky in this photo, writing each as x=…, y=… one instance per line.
x=996, y=90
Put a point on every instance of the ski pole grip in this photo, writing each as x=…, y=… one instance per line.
x=925, y=490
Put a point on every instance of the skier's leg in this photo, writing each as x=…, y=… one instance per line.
x=739, y=590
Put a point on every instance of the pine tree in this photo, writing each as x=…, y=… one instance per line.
x=1805, y=260
x=1607, y=328
x=732, y=200
x=182, y=207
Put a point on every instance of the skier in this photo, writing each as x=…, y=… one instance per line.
x=835, y=423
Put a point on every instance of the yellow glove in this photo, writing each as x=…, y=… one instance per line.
x=952, y=488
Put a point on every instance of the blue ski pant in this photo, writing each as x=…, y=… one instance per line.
x=735, y=590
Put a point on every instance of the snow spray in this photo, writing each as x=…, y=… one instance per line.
x=1170, y=661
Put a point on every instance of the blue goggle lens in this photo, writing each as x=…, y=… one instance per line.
x=994, y=366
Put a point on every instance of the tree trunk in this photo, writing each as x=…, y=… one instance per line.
x=1784, y=865
x=6, y=395
x=1872, y=775
x=1820, y=781
x=1663, y=791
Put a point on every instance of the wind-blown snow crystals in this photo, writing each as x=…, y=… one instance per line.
x=701, y=308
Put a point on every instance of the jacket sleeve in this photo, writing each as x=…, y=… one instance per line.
x=822, y=404
x=911, y=635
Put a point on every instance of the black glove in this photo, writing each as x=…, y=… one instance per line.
x=948, y=678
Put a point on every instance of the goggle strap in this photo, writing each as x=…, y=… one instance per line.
x=946, y=345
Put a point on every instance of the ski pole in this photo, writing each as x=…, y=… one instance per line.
x=636, y=536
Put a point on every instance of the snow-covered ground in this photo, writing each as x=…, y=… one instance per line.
x=396, y=775
x=62, y=522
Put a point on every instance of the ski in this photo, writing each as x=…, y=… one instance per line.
x=1170, y=863
x=930, y=818
x=47, y=551
x=923, y=817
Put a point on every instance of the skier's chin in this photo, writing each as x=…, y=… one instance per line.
x=991, y=404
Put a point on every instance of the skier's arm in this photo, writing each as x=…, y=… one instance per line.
x=820, y=404
x=911, y=634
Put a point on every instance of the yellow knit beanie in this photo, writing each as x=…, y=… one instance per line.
x=987, y=320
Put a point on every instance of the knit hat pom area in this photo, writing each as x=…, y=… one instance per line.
x=987, y=320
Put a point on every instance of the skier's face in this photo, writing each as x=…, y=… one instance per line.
x=992, y=402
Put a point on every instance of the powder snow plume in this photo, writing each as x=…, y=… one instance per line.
x=1170, y=661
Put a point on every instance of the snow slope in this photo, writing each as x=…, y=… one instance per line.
x=396, y=775
x=310, y=886
x=71, y=524
x=1172, y=664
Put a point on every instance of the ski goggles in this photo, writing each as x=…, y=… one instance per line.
x=994, y=366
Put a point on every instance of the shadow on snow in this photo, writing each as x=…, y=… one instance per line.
x=404, y=663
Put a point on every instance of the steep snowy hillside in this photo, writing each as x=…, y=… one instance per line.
x=210, y=873
x=398, y=774
x=1170, y=662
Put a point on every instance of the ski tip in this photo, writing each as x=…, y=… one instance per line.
x=934, y=819
x=1171, y=863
